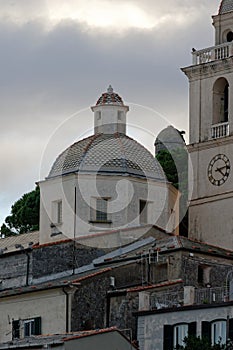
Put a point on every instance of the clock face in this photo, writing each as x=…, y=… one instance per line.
x=219, y=169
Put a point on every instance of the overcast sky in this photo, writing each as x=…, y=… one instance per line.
x=58, y=56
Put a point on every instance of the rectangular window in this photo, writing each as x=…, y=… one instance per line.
x=119, y=115
x=218, y=332
x=143, y=211
x=101, y=209
x=15, y=329
x=57, y=212
x=29, y=328
x=26, y=328
x=179, y=333
x=98, y=115
x=173, y=335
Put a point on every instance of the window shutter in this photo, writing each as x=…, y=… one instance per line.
x=231, y=328
x=168, y=337
x=206, y=330
x=37, y=325
x=15, y=329
x=192, y=328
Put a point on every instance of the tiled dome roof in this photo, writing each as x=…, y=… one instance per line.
x=226, y=6
x=108, y=154
x=110, y=98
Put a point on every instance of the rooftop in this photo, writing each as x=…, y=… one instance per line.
x=226, y=6
x=107, y=154
x=110, y=98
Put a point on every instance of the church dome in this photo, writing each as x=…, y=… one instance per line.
x=109, y=98
x=108, y=154
x=225, y=6
x=168, y=139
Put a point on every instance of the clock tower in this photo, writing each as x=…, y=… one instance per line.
x=211, y=135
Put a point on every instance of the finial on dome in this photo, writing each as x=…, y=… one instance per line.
x=110, y=89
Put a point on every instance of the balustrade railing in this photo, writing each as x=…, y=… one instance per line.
x=220, y=130
x=213, y=53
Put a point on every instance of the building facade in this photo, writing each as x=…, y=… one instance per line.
x=211, y=135
x=106, y=181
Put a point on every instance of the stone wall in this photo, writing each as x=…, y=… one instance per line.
x=91, y=306
x=55, y=258
x=216, y=273
x=15, y=269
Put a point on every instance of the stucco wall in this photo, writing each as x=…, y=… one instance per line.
x=50, y=305
x=150, y=327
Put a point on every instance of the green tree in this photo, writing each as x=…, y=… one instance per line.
x=175, y=166
x=196, y=343
x=24, y=216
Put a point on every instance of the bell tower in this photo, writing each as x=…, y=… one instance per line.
x=211, y=135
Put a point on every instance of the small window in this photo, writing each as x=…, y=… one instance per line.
x=29, y=328
x=179, y=333
x=119, y=115
x=203, y=275
x=57, y=212
x=173, y=335
x=26, y=328
x=220, y=101
x=229, y=37
x=143, y=211
x=98, y=115
x=101, y=209
x=218, y=332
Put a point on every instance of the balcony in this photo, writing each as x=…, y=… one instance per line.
x=219, y=130
x=161, y=300
x=213, y=53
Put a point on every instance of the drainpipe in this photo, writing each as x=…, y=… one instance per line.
x=108, y=309
x=69, y=291
x=67, y=309
x=27, y=252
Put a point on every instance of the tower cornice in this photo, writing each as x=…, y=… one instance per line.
x=208, y=69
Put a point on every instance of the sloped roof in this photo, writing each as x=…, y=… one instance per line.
x=109, y=98
x=59, y=339
x=17, y=242
x=226, y=6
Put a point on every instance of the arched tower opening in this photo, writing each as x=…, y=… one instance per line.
x=220, y=101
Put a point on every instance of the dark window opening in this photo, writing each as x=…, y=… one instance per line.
x=200, y=277
x=229, y=36
x=143, y=211
x=226, y=99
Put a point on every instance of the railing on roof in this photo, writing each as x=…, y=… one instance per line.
x=161, y=300
x=213, y=53
x=210, y=295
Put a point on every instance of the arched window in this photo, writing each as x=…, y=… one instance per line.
x=218, y=332
x=220, y=101
x=180, y=331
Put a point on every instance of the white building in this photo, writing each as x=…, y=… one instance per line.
x=211, y=135
x=106, y=181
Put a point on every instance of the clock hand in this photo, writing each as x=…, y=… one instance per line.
x=220, y=170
